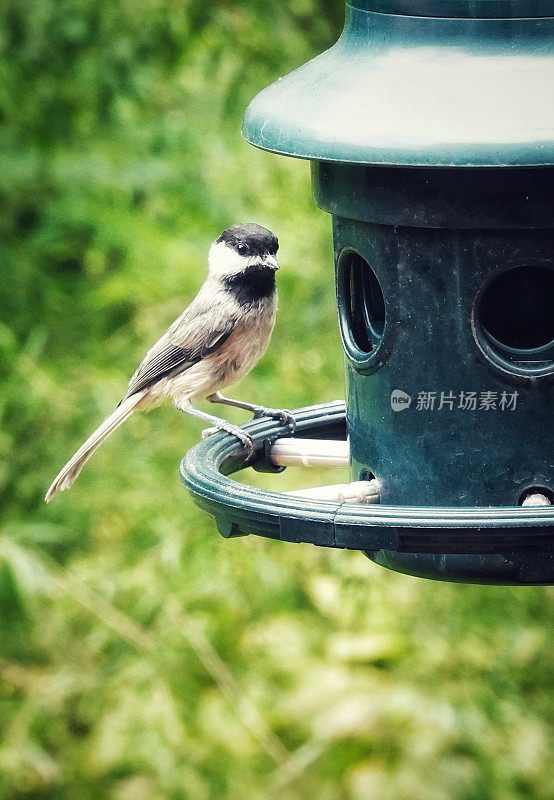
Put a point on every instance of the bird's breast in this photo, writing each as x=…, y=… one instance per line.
x=231, y=361
x=248, y=342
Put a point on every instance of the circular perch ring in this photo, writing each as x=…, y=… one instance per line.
x=240, y=510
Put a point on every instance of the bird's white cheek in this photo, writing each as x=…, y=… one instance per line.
x=223, y=260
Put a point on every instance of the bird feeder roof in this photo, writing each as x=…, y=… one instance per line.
x=449, y=83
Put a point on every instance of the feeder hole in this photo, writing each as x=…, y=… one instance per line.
x=366, y=475
x=517, y=308
x=364, y=301
x=514, y=321
x=536, y=496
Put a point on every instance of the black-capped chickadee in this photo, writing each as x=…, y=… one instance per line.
x=215, y=341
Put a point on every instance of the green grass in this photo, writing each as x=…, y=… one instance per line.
x=142, y=657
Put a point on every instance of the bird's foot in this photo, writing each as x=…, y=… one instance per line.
x=246, y=440
x=282, y=414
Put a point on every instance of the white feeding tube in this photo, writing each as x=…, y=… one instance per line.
x=288, y=452
x=356, y=492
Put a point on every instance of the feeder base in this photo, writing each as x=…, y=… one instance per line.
x=516, y=569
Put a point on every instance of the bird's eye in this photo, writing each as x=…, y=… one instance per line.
x=242, y=248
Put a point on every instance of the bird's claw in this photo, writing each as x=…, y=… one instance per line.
x=246, y=440
x=247, y=443
x=287, y=419
x=282, y=414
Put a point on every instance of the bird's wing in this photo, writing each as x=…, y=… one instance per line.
x=199, y=331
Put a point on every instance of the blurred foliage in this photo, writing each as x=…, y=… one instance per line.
x=141, y=656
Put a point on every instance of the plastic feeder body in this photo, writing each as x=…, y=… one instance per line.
x=431, y=136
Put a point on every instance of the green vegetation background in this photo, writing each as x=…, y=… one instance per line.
x=141, y=656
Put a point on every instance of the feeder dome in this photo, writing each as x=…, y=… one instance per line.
x=431, y=83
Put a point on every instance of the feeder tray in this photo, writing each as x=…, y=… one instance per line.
x=447, y=543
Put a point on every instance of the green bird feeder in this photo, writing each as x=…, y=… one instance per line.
x=430, y=130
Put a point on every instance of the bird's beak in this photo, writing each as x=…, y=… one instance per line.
x=271, y=262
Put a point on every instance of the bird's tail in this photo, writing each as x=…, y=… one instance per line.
x=69, y=473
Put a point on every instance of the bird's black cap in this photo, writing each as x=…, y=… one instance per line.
x=249, y=235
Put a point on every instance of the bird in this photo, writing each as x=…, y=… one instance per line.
x=213, y=343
